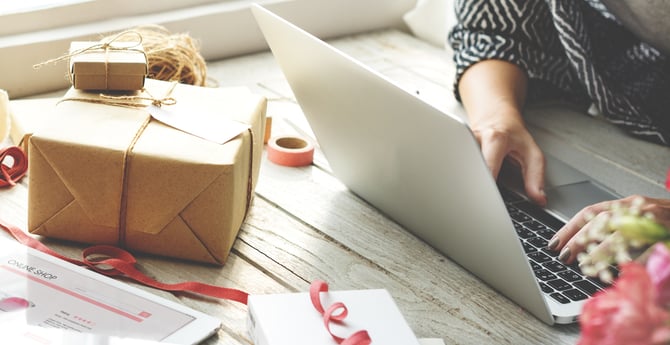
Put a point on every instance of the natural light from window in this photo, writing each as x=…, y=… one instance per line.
x=32, y=5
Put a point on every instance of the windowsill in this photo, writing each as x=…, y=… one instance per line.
x=224, y=30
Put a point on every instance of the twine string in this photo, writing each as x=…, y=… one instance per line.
x=173, y=57
x=105, y=44
x=170, y=57
x=130, y=101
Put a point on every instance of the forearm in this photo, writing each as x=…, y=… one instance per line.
x=492, y=88
x=493, y=93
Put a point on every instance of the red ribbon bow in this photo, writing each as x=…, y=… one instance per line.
x=329, y=315
x=11, y=174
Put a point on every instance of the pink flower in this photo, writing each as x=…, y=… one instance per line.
x=658, y=266
x=625, y=313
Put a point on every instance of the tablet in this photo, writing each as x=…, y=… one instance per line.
x=41, y=292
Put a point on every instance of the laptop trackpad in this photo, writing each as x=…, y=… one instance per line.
x=567, y=200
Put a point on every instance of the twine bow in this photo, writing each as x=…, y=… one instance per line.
x=105, y=45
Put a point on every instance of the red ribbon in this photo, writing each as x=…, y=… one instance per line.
x=667, y=181
x=329, y=315
x=10, y=175
x=114, y=261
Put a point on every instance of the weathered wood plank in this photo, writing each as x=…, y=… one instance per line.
x=452, y=298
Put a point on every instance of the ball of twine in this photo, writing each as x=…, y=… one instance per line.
x=172, y=57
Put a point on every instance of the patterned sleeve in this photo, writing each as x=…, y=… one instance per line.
x=518, y=31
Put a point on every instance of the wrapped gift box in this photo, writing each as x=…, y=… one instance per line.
x=291, y=319
x=111, y=174
x=121, y=67
x=26, y=116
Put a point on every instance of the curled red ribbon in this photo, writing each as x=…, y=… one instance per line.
x=11, y=174
x=330, y=315
x=114, y=261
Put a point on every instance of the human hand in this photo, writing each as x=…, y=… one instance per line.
x=504, y=136
x=567, y=239
x=493, y=93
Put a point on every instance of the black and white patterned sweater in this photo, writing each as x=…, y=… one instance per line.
x=572, y=49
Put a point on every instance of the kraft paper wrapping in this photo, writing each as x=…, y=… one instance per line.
x=122, y=68
x=106, y=174
x=26, y=116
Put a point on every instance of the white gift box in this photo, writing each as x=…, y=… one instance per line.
x=291, y=319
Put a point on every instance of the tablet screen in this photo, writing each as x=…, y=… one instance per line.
x=47, y=292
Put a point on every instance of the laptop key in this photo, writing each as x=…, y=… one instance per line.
x=575, y=295
x=534, y=265
x=560, y=298
x=546, y=288
x=528, y=248
x=534, y=225
x=569, y=276
x=555, y=266
x=524, y=233
x=544, y=275
x=545, y=233
x=520, y=217
x=539, y=257
x=586, y=286
x=540, y=214
x=538, y=242
x=575, y=267
x=559, y=284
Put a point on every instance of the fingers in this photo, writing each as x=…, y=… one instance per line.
x=532, y=168
x=564, y=241
x=522, y=149
x=572, y=239
x=659, y=209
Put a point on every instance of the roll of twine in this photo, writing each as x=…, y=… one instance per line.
x=172, y=57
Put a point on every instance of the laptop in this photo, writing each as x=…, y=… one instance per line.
x=423, y=169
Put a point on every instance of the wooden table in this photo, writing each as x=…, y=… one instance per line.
x=305, y=225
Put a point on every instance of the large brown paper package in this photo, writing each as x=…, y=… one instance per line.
x=26, y=116
x=106, y=174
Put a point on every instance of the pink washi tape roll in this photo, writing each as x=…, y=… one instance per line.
x=290, y=151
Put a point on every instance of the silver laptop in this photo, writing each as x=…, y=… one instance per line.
x=423, y=168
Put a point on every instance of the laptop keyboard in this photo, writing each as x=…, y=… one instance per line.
x=535, y=227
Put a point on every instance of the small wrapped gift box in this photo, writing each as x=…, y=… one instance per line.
x=294, y=319
x=112, y=174
x=116, y=66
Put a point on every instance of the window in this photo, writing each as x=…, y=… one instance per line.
x=35, y=15
x=32, y=5
x=33, y=31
